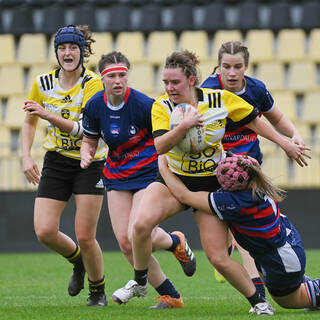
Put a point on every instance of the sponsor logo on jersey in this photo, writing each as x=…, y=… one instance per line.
x=114, y=129
x=66, y=99
x=65, y=113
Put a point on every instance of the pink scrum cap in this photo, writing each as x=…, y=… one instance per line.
x=232, y=174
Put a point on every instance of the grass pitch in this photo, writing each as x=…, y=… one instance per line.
x=34, y=286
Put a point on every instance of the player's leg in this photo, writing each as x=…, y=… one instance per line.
x=151, y=211
x=213, y=235
x=87, y=217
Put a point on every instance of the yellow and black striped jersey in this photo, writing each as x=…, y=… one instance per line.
x=68, y=104
x=215, y=106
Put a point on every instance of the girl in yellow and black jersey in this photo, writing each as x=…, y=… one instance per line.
x=59, y=97
x=180, y=80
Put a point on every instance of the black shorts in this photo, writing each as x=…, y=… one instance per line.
x=62, y=176
x=195, y=184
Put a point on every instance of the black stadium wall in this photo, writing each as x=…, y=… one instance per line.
x=17, y=233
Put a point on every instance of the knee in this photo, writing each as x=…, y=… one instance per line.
x=141, y=230
x=85, y=241
x=45, y=235
x=219, y=260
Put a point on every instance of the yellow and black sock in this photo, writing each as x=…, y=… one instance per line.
x=96, y=286
x=75, y=256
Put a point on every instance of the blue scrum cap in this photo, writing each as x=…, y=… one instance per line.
x=70, y=34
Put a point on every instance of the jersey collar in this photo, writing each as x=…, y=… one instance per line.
x=126, y=96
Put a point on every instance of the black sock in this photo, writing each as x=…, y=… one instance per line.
x=259, y=286
x=141, y=276
x=256, y=298
x=75, y=256
x=96, y=286
x=167, y=289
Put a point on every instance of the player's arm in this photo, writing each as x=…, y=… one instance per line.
x=293, y=151
x=30, y=168
x=87, y=151
x=284, y=125
x=198, y=200
x=164, y=138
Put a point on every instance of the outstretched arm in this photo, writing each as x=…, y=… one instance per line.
x=293, y=151
x=197, y=200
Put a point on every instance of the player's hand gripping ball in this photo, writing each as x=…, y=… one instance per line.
x=194, y=140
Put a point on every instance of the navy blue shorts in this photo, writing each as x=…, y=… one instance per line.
x=62, y=176
x=283, y=268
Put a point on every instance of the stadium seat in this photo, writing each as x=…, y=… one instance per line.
x=182, y=18
x=15, y=115
x=131, y=44
x=103, y=45
x=27, y=55
x=304, y=130
x=267, y=147
x=141, y=77
x=85, y=14
x=291, y=45
x=248, y=15
x=307, y=177
x=206, y=68
x=52, y=60
x=21, y=20
x=286, y=102
x=260, y=45
x=159, y=45
x=314, y=45
x=310, y=17
x=120, y=18
x=150, y=18
x=310, y=110
x=33, y=72
x=4, y=142
x=276, y=166
x=195, y=41
x=280, y=15
x=222, y=36
x=299, y=70
x=272, y=74
x=11, y=80
x=214, y=17
x=7, y=55
x=53, y=18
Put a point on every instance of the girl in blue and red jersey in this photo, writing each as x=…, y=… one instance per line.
x=248, y=204
x=121, y=116
x=233, y=61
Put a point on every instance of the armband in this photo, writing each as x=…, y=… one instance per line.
x=77, y=129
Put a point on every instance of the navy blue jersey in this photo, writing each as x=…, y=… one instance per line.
x=254, y=221
x=127, y=130
x=241, y=139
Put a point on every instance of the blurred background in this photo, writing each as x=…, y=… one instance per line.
x=283, y=37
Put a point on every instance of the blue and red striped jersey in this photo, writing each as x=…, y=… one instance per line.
x=242, y=139
x=127, y=130
x=253, y=220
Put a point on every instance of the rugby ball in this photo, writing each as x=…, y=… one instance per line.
x=194, y=140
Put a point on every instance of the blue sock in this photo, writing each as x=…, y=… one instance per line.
x=167, y=289
x=259, y=286
x=175, y=241
x=313, y=287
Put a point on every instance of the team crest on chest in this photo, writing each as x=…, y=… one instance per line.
x=65, y=113
x=114, y=129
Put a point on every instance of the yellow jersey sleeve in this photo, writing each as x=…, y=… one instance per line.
x=238, y=108
x=92, y=87
x=160, y=114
